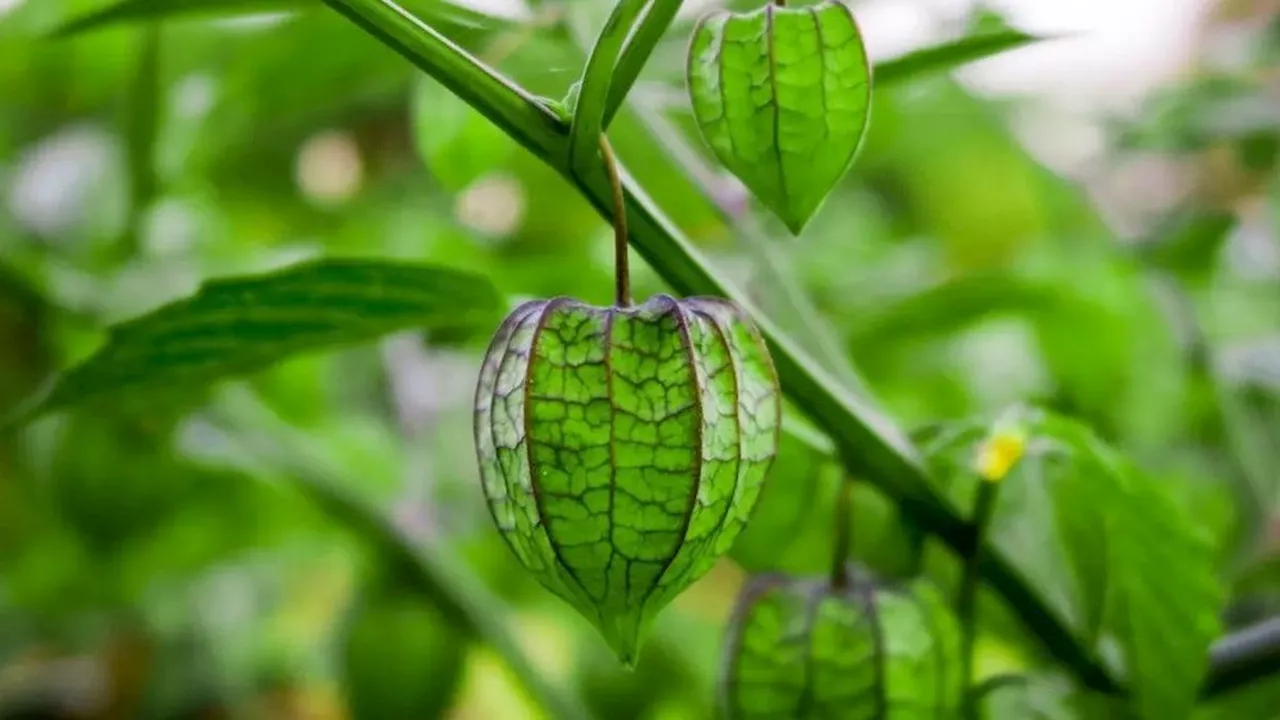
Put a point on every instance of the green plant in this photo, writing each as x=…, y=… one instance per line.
x=1140, y=572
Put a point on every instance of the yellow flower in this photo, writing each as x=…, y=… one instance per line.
x=1000, y=452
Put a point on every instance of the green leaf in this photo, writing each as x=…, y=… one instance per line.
x=783, y=97
x=1126, y=560
x=130, y=11
x=444, y=12
x=949, y=56
x=593, y=93
x=456, y=143
x=623, y=449
x=1188, y=243
x=234, y=326
x=644, y=40
x=1162, y=586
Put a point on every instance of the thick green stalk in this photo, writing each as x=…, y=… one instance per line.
x=868, y=442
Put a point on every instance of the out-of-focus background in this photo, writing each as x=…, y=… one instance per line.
x=1091, y=224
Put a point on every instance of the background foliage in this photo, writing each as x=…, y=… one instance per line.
x=189, y=549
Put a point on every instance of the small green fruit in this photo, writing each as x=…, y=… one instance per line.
x=800, y=649
x=622, y=449
x=400, y=658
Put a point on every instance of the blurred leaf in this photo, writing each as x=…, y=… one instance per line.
x=791, y=145
x=948, y=56
x=259, y=438
x=953, y=304
x=1163, y=587
x=127, y=11
x=234, y=326
x=456, y=143
x=1188, y=243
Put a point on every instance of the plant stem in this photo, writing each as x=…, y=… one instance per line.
x=843, y=535
x=967, y=599
x=1243, y=657
x=621, y=264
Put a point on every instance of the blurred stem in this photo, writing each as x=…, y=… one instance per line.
x=1243, y=657
x=621, y=267
x=258, y=435
x=1250, y=474
x=843, y=535
x=140, y=136
x=967, y=599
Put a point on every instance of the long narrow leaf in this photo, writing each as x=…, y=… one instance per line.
x=588, y=116
x=133, y=11
x=236, y=326
x=639, y=49
x=949, y=56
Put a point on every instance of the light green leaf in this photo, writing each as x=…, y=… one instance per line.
x=783, y=97
x=456, y=143
x=234, y=326
x=1164, y=596
x=949, y=56
x=1126, y=559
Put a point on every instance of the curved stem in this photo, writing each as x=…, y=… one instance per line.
x=843, y=532
x=621, y=264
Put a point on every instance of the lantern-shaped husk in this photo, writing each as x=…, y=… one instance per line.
x=622, y=449
x=800, y=649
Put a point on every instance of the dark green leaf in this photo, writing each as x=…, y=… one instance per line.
x=783, y=97
x=127, y=11
x=948, y=56
x=1188, y=243
x=235, y=326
